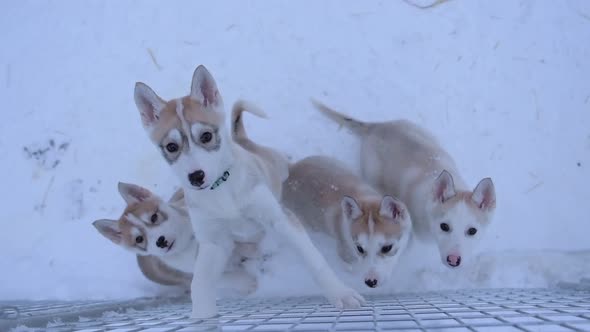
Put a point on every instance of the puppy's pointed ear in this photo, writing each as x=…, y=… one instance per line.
x=149, y=104
x=177, y=196
x=109, y=229
x=203, y=88
x=392, y=208
x=484, y=195
x=132, y=193
x=444, y=187
x=350, y=208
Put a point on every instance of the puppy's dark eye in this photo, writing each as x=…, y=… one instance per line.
x=360, y=249
x=171, y=147
x=471, y=231
x=139, y=239
x=154, y=218
x=386, y=249
x=445, y=227
x=206, y=137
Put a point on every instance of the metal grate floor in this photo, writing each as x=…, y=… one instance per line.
x=472, y=310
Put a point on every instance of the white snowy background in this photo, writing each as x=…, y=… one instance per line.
x=504, y=84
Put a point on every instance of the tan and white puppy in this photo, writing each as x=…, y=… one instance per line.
x=371, y=230
x=403, y=159
x=161, y=236
x=229, y=190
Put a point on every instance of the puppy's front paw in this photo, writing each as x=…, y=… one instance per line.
x=344, y=297
x=203, y=310
x=242, y=282
x=249, y=285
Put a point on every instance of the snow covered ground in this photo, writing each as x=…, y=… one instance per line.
x=503, y=84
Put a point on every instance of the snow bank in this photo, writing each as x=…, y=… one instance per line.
x=503, y=84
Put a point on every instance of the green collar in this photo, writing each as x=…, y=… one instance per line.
x=220, y=180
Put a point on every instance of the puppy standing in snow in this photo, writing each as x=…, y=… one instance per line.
x=161, y=236
x=371, y=230
x=231, y=192
x=401, y=158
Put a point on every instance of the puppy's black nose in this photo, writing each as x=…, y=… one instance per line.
x=371, y=282
x=162, y=243
x=196, y=178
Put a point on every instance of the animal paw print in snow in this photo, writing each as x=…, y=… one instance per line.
x=48, y=154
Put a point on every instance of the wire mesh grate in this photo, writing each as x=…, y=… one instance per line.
x=468, y=310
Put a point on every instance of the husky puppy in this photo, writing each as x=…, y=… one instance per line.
x=371, y=230
x=230, y=191
x=161, y=236
x=401, y=158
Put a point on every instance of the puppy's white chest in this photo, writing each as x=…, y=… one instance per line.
x=216, y=205
x=243, y=220
x=230, y=218
x=246, y=230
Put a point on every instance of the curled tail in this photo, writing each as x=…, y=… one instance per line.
x=273, y=159
x=237, y=125
x=354, y=125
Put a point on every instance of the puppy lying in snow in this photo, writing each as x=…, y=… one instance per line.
x=161, y=235
x=371, y=229
x=401, y=158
